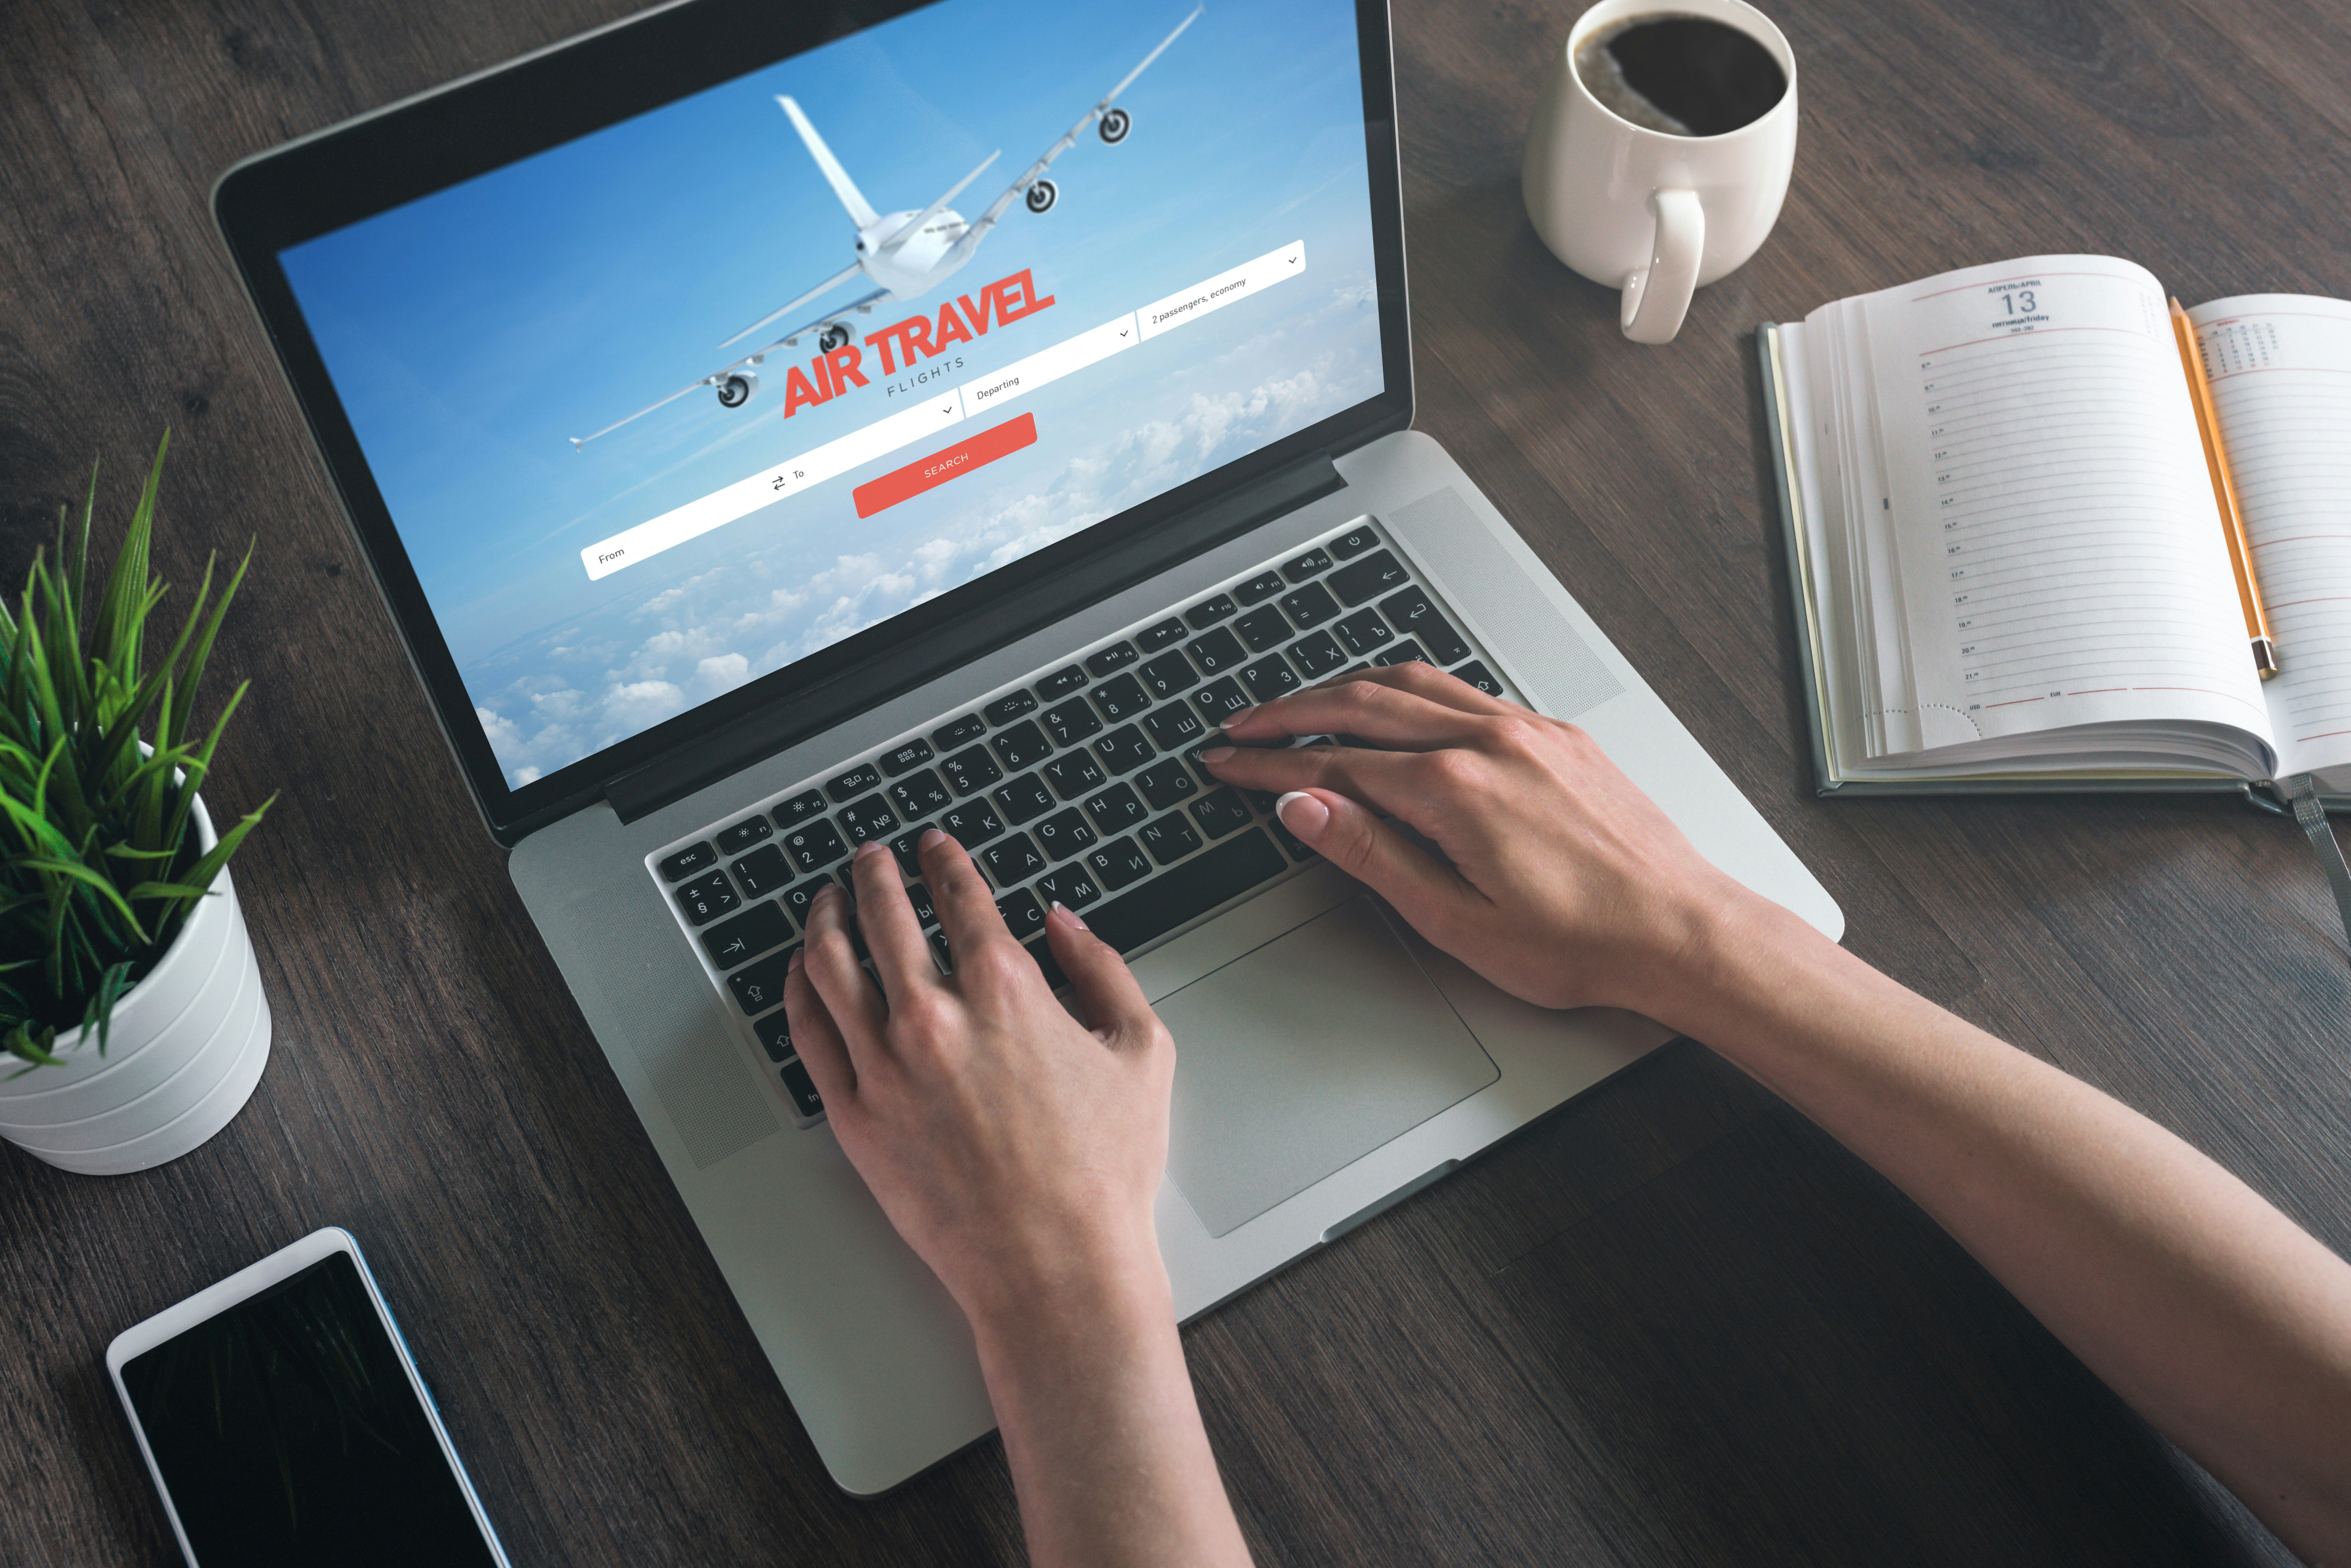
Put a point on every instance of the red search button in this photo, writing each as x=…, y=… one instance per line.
x=930, y=473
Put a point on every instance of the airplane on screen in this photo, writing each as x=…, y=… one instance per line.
x=903, y=255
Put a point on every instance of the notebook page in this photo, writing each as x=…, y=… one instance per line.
x=2280, y=365
x=2061, y=560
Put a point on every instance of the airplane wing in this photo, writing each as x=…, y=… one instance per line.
x=580, y=441
x=1030, y=175
x=827, y=286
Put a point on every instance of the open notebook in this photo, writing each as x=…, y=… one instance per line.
x=2009, y=567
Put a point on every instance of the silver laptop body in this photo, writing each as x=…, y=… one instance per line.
x=1329, y=1063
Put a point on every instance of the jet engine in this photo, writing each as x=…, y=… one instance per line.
x=738, y=388
x=835, y=336
x=1115, y=125
x=1042, y=196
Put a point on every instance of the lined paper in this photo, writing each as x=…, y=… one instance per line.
x=2060, y=553
x=2280, y=365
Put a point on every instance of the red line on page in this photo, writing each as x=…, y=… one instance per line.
x=2009, y=336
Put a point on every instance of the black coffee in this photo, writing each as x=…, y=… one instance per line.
x=1683, y=74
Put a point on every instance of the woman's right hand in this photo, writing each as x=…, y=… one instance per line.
x=1559, y=880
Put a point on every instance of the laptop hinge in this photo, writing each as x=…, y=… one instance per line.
x=737, y=744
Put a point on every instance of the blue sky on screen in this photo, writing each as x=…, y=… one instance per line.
x=470, y=333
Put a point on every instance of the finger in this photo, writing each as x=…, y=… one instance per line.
x=892, y=935
x=1427, y=892
x=966, y=909
x=818, y=1040
x=831, y=963
x=1394, y=783
x=1380, y=711
x=1108, y=999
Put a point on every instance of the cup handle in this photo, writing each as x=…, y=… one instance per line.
x=1657, y=296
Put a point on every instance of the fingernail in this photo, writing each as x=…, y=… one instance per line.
x=1231, y=720
x=1215, y=753
x=794, y=967
x=1302, y=814
x=1072, y=913
x=829, y=891
x=870, y=847
x=930, y=836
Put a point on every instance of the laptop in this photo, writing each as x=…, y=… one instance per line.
x=776, y=427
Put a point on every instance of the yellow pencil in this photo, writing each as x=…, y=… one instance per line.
x=2232, y=522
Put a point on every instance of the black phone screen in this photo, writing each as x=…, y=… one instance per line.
x=288, y=1432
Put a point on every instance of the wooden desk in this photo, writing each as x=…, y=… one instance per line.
x=1671, y=1323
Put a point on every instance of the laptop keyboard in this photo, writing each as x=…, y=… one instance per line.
x=1080, y=784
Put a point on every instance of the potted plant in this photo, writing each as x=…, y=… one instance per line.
x=130, y=998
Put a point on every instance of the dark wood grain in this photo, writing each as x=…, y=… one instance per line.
x=1670, y=1323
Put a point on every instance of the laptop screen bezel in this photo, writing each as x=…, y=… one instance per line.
x=352, y=171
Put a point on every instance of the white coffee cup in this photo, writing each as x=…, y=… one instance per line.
x=1651, y=213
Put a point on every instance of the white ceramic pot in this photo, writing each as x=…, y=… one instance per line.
x=185, y=1049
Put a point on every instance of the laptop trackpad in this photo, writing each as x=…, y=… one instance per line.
x=1303, y=1056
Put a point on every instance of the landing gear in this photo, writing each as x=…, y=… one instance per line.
x=835, y=336
x=1115, y=125
x=738, y=388
x=1042, y=196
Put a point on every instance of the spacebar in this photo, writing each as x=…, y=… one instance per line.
x=1191, y=890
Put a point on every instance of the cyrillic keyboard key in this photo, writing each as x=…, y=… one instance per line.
x=1121, y=698
x=1060, y=683
x=920, y=897
x=1169, y=838
x=971, y=824
x=961, y=732
x=1116, y=864
x=1271, y=677
x=1209, y=612
x=1317, y=654
x=1070, y=886
x=762, y=871
x=971, y=771
x=1478, y=676
x=1009, y=706
x=1073, y=774
x=693, y=858
x=1158, y=907
x=707, y=897
x=1023, y=799
x=1310, y=606
x=1414, y=615
x=868, y=818
x=1167, y=785
x=1151, y=639
x=1115, y=810
x=1218, y=699
x=1021, y=912
x=1362, y=632
x=1122, y=748
x=1063, y=835
x=1219, y=812
x=1317, y=559
x=734, y=840
x=746, y=937
x=1013, y=860
x=1023, y=746
x=920, y=795
x=1071, y=722
x=802, y=1088
x=854, y=783
x=1168, y=675
x=797, y=899
x=907, y=847
x=1173, y=728
x=1117, y=657
x=814, y=845
x=761, y=986
x=1264, y=585
x=791, y=813
x=1218, y=652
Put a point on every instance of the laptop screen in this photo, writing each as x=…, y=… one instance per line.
x=678, y=403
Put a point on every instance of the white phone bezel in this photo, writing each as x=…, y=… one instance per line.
x=211, y=1301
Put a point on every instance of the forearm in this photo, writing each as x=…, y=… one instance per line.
x=1103, y=1435
x=2217, y=1318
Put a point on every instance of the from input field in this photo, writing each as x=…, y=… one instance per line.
x=981, y=396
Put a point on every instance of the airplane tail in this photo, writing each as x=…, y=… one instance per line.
x=861, y=211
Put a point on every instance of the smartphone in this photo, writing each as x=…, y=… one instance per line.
x=284, y=1422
